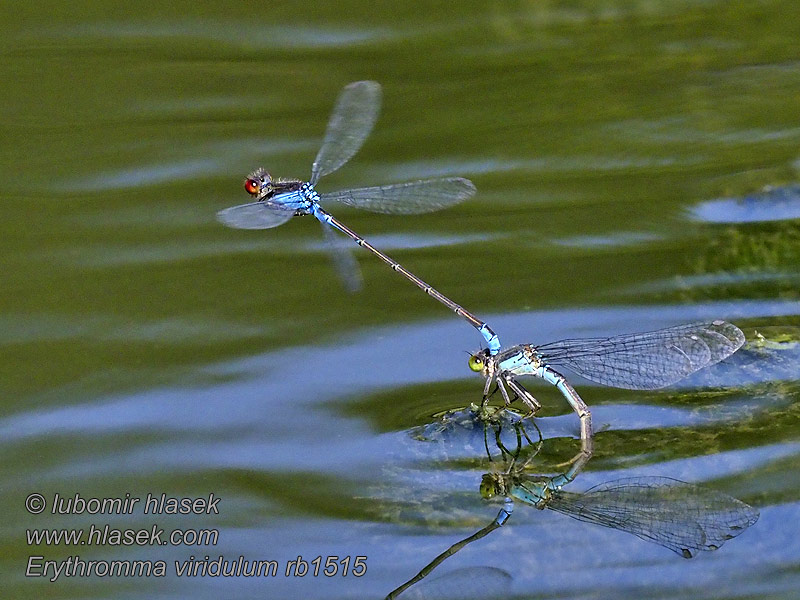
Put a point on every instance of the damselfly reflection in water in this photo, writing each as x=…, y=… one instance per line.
x=279, y=200
x=682, y=517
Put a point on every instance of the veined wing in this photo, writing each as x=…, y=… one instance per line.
x=351, y=121
x=411, y=198
x=646, y=361
x=255, y=215
x=343, y=260
x=680, y=516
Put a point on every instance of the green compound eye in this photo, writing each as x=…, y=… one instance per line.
x=488, y=487
x=476, y=363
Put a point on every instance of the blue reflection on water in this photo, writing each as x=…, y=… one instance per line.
x=773, y=204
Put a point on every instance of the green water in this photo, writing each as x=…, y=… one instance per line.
x=147, y=349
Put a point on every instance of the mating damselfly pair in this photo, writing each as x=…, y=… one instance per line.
x=634, y=361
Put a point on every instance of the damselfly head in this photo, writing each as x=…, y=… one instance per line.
x=258, y=183
x=491, y=486
x=478, y=361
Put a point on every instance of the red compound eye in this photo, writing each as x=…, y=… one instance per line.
x=252, y=186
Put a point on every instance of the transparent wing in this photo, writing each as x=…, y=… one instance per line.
x=351, y=121
x=682, y=517
x=255, y=215
x=343, y=260
x=646, y=361
x=414, y=197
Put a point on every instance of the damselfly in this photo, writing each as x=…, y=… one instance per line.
x=637, y=361
x=680, y=516
x=279, y=200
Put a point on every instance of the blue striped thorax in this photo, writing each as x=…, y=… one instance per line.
x=302, y=199
x=519, y=359
x=296, y=200
x=535, y=490
x=310, y=193
x=537, y=493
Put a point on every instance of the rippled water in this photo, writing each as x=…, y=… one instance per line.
x=637, y=167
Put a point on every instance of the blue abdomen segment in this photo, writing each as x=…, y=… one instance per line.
x=552, y=377
x=505, y=512
x=492, y=341
x=325, y=218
